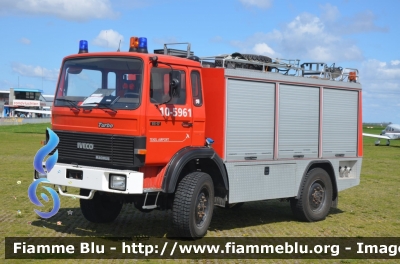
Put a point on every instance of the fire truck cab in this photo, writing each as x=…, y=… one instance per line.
x=170, y=130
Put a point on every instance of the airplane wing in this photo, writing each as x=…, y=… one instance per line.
x=34, y=111
x=376, y=136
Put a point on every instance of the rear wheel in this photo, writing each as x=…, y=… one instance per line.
x=193, y=205
x=315, y=198
x=100, y=209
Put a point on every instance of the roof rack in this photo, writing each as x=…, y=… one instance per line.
x=176, y=52
x=322, y=71
x=286, y=66
x=252, y=62
x=292, y=67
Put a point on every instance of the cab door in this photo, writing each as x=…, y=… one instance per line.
x=169, y=120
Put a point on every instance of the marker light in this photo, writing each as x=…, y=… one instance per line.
x=142, y=45
x=134, y=43
x=83, y=46
x=352, y=76
x=141, y=151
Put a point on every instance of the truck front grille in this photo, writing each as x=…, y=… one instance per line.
x=96, y=150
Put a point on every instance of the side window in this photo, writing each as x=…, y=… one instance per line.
x=196, y=88
x=159, y=87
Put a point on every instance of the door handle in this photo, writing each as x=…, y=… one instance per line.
x=187, y=124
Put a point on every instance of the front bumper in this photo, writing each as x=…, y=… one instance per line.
x=95, y=178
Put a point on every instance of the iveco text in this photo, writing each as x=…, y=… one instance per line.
x=85, y=145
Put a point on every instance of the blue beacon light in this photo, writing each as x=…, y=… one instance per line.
x=83, y=46
x=142, y=45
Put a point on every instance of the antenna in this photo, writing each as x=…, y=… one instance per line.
x=119, y=46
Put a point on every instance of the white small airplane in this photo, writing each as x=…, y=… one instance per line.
x=46, y=112
x=391, y=132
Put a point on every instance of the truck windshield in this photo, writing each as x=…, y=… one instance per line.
x=116, y=82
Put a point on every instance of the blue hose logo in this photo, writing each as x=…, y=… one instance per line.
x=37, y=164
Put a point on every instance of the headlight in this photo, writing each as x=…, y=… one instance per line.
x=118, y=182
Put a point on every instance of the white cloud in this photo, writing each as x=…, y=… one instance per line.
x=359, y=23
x=263, y=49
x=330, y=12
x=305, y=24
x=307, y=37
x=377, y=70
x=35, y=71
x=311, y=37
x=76, y=10
x=257, y=3
x=381, y=85
x=395, y=62
x=108, y=39
x=25, y=41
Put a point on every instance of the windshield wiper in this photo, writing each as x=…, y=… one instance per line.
x=72, y=104
x=106, y=106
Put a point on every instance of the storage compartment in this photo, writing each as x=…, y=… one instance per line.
x=250, y=120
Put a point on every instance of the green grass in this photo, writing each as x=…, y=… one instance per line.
x=367, y=210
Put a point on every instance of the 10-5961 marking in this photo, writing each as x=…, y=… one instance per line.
x=185, y=112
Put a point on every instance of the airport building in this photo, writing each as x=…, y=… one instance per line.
x=24, y=98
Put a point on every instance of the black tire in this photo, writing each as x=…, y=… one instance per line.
x=100, y=209
x=260, y=58
x=193, y=205
x=315, y=198
x=249, y=57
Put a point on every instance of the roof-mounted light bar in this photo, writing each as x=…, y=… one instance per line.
x=83, y=46
x=138, y=45
x=142, y=45
x=134, y=43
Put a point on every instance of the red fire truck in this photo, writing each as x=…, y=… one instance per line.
x=170, y=130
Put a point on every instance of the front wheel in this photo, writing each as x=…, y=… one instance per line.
x=193, y=205
x=315, y=198
x=100, y=209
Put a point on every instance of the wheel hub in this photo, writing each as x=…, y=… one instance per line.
x=201, y=211
x=318, y=195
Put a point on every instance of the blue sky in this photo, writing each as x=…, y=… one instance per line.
x=365, y=35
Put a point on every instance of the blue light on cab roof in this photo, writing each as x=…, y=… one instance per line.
x=142, y=45
x=142, y=42
x=83, y=46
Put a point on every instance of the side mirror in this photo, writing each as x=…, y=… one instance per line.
x=174, y=84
